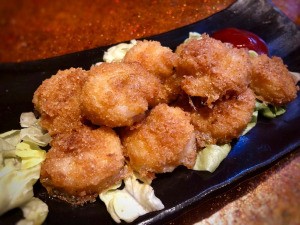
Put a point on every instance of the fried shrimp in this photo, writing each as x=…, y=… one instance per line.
x=271, y=80
x=57, y=100
x=163, y=141
x=212, y=69
x=157, y=59
x=82, y=163
x=149, y=112
x=226, y=120
x=161, y=62
x=118, y=94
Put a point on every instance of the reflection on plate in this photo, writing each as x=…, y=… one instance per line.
x=268, y=141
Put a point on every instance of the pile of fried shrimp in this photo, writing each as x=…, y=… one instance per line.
x=151, y=112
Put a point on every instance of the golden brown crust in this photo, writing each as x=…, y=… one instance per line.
x=57, y=100
x=155, y=58
x=118, y=93
x=271, y=80
x=161, y=62
x=212, y=69
x=163, y=141
x=82, y=163
x=225, y=121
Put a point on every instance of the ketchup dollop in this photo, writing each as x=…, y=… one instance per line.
x=242, y=39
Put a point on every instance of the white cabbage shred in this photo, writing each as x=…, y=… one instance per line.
x=209, y=158
x=35, y=212
x=117, y=52
x=20, y=164
x=32, y=131
x=134, y=200
x=193, y=35
x=252, y=123
x=295, y=76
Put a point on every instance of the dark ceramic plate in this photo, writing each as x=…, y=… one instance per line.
x=267, y=142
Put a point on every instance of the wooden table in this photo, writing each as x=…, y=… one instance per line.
x=290, y=7
x=271, y=197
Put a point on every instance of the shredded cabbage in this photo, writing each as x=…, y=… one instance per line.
x=32, y=131
x=35, y=212
x=20, y=164
x=28, y=119
x=9, y=140
x=17, y=177
x=193, y=35
x=134, y=200
x=117, y=52
x=209, y=158
x=295, y=76
x=253, y=53
x=269, y=111
x=252, y=123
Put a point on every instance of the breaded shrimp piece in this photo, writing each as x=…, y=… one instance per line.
x=117, y=94
x=82, y=163
x=156, y=58
x=271, y=80
x=170, y=91
x=163, y=141
x=57, y=100
x=160, y=61
x=225, y=121
x=212, y=69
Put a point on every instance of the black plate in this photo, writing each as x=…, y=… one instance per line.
x=267, y=142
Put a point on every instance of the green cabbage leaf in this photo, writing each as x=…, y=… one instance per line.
x=19, y=170
x=20, y=165
x=209, y=158
x=268, y=110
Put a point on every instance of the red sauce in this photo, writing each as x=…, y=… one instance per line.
x=36, y=29
x=242, y=39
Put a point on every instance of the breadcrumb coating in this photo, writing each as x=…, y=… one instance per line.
x=225, y=121
x=163, y=141
x=57, y=99
x=82, y=163
x=271, y=81
x=212, y=69
x=156, y=58
x=118, y=94
x=161, y=105
x=160, y=61
x=221, y=123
